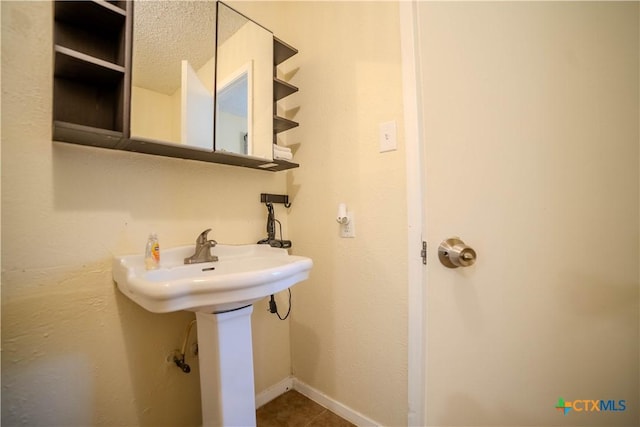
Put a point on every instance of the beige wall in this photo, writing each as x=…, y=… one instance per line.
x=251, y=46
x=155, y=115
x=349, y=324
x=349, y=331
x=531, y=122
x=74, y=350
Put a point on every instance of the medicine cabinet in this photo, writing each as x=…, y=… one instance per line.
x=172, y=76
x=166, y=78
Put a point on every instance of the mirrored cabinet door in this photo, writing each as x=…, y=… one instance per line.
x=172, y=86
x=244, y=86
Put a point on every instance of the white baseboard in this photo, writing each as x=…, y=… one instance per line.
x=333, y=405
x=317, y=396
x=274, y=391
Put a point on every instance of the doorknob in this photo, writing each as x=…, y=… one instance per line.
x=453, y=253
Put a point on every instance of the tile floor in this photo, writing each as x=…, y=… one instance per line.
x=292, y=409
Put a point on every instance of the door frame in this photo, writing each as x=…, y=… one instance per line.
x=416, y=274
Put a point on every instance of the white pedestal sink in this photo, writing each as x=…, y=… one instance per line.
x=221, y=294
x=226, y=368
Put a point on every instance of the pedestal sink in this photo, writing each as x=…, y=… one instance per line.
x=221, y=294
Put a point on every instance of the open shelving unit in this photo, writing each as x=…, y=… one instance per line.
x=281, y=89
x=92, y=56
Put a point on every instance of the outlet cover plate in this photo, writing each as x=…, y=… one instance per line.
x=388, y=140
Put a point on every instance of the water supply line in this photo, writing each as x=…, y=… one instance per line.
x=179, y=355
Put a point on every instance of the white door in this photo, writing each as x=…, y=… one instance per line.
x=196, y=112
x=530, y=117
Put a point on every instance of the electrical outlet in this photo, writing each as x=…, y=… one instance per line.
x=349, y=229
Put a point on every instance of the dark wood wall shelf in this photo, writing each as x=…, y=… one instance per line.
x=280, y=124
x=175, y=150
x=92, y=56
x=282, y=51
x=281, y=89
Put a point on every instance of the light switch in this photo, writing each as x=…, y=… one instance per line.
x=388, y=140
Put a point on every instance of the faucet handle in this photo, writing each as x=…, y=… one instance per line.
x=202, y=238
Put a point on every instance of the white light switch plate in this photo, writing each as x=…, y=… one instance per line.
x=388, y=140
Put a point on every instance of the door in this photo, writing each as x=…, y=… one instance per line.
x=530, y=120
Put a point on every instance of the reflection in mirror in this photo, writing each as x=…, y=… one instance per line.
x=234, y=122
x=244, y=95
x=173, y=72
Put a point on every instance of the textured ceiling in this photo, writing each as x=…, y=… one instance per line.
x=166, y=32
x=229, y=22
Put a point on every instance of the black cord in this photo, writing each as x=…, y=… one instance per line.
x=271, y=217
x=280, y=224
x=273, y=308
x=271, y=232
x=289, y=310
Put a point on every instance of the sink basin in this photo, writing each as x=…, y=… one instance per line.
x=221, y=293
x=243, y=275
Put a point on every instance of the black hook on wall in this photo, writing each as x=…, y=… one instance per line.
x=275, y=198
x=269, y=200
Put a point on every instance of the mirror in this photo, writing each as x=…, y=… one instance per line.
x=244, y=86
x=177, y=65
x=173, y=72
x=234, y=107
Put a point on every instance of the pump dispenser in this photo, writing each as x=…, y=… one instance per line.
x=152, y=252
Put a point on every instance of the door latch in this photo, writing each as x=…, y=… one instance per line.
x=423, y=253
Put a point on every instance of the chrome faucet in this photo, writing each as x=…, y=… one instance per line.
x=203, y=250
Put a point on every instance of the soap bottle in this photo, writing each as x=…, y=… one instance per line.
x=152, y=253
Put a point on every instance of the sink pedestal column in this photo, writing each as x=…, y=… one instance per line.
x=226, y=368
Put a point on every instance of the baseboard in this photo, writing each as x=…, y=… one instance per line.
x=274, y=391
x=333, y=405
x=317, y=396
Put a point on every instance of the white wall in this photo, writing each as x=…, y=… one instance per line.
x=74, y=350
